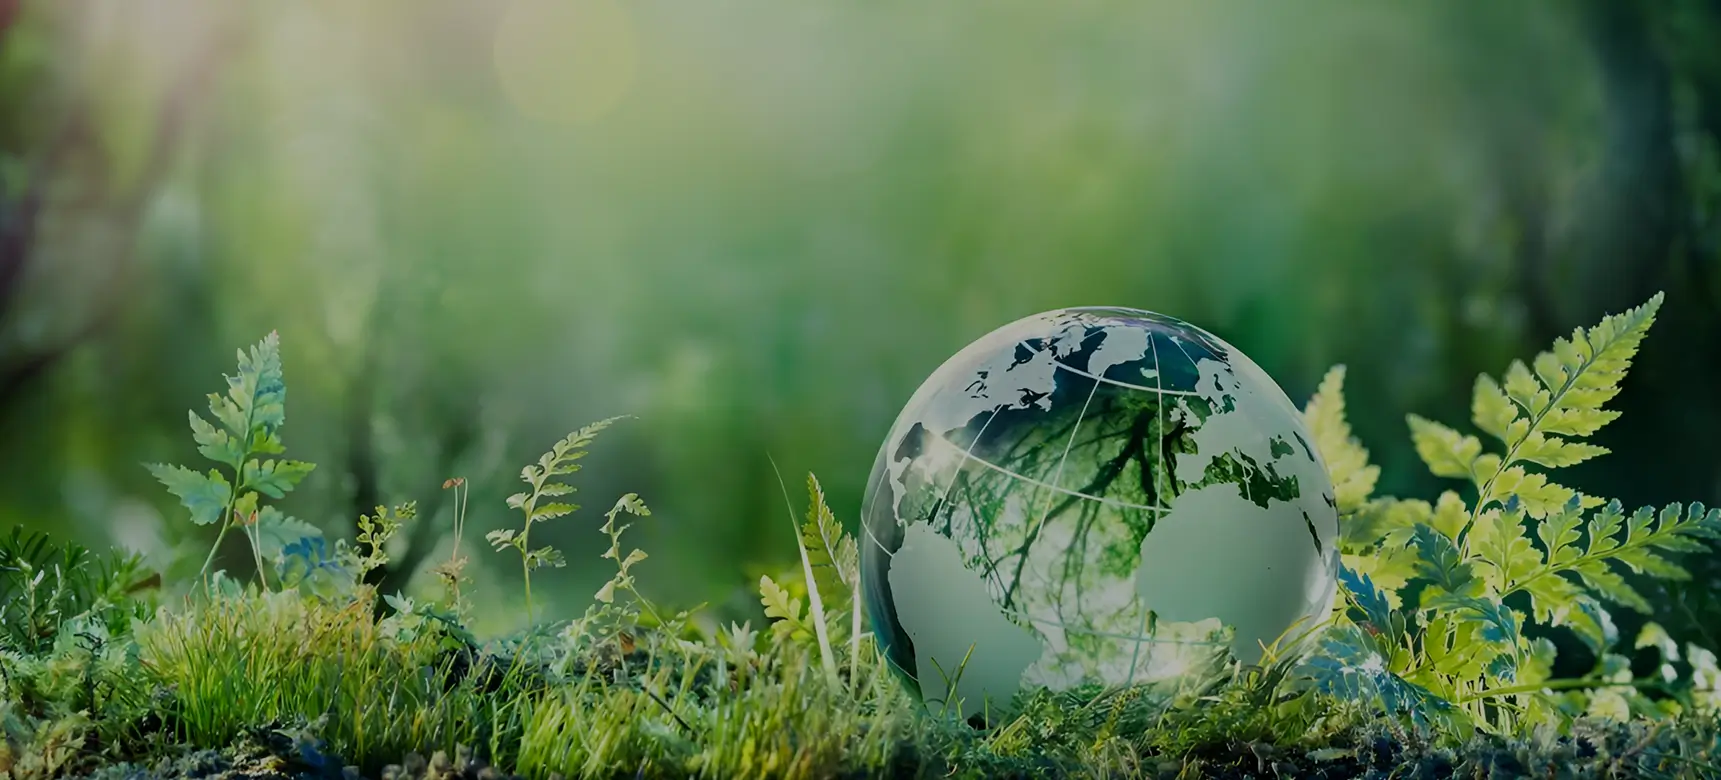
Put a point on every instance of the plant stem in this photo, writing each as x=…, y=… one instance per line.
x=1560, y=685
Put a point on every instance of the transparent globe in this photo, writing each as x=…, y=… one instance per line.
x=1093, y=497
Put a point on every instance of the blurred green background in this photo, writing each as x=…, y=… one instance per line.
x=758, y=226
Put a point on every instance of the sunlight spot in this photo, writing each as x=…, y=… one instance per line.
x=567, y=62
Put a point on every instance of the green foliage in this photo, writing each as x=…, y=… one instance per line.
x=1424, y=635
x=375, y=531
x=45, y=585
x=248, y=421
x=561, y=460
x=1426, y=630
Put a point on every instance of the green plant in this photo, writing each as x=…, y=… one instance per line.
x=452, y=572
x=1425, y=628
x=248, y=420
x=559, y=461
x=45, y=584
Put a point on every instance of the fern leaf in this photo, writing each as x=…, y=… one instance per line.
x=1644, y=561
x=1346, y=459
x=785, y=612
x=1377, y=609
x=823, y=537
x=551, y=511
x=1539, y=496
x=206, y=495
x=1554, y=452
x=1447, y=452
x=1383, y=521
x=214, y=443
x=275, y=531
x=1505, y=556
x=1389, y=569
x=1559, y=534
x=1494, y=412
x=1348, y=667
x=1439, y=562
x=1607, y=583
x=1498, y=623
x=275, y=478
x=1449, y=515
x=258, y=390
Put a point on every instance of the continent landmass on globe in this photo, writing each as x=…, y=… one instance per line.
x=1093, y=496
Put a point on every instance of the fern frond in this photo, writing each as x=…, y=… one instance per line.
x=830, y=551
x=1346, y=459
x=788, y=619
x=1560, y=400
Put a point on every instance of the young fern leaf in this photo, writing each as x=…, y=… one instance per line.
x=788, y=620
x=248, y=420
x=560, y=460
x=830, y=551
x=835, y=562
x=1346, y=459
x=814, y=598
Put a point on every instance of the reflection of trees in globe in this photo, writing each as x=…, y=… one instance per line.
x=1083, y=497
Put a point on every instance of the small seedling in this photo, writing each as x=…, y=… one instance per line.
x=247, y=427
x=559, y=461
x=452, y=572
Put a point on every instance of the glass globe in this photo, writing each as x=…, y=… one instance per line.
x=1092, y=496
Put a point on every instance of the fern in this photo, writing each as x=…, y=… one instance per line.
x=248, y=421
x=561, y=460
x=375, y=531
x=1346, y=459
x=1565, y=551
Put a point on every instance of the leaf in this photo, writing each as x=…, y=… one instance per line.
x=545, y=556
x=551, y=511
x=1385, y=521
x=214, y=443
x=1609, y=585
x=275, y=478
x=276, y=531
x=1592, y=624
x=822, y=536
x=1376, y=609
x=1554, y=452
x=1439, y=562
x=1643, y=561
x=1347, y=666
x=1346, y=460
x=1499, y=624
x=1447, y=452
x=785, y=611
x=631, y=504
x=1491, y=410
x=1539, y=496
x=1552, y=598
x=501, y=538
x=1559, y=534
x=1449, y=515
x=1505, y=553
x=1389, y=569
x=205, y=495
x=255, y=402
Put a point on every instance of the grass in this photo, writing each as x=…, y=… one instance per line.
x=246, y=682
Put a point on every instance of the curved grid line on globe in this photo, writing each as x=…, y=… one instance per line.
x=968, y=452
